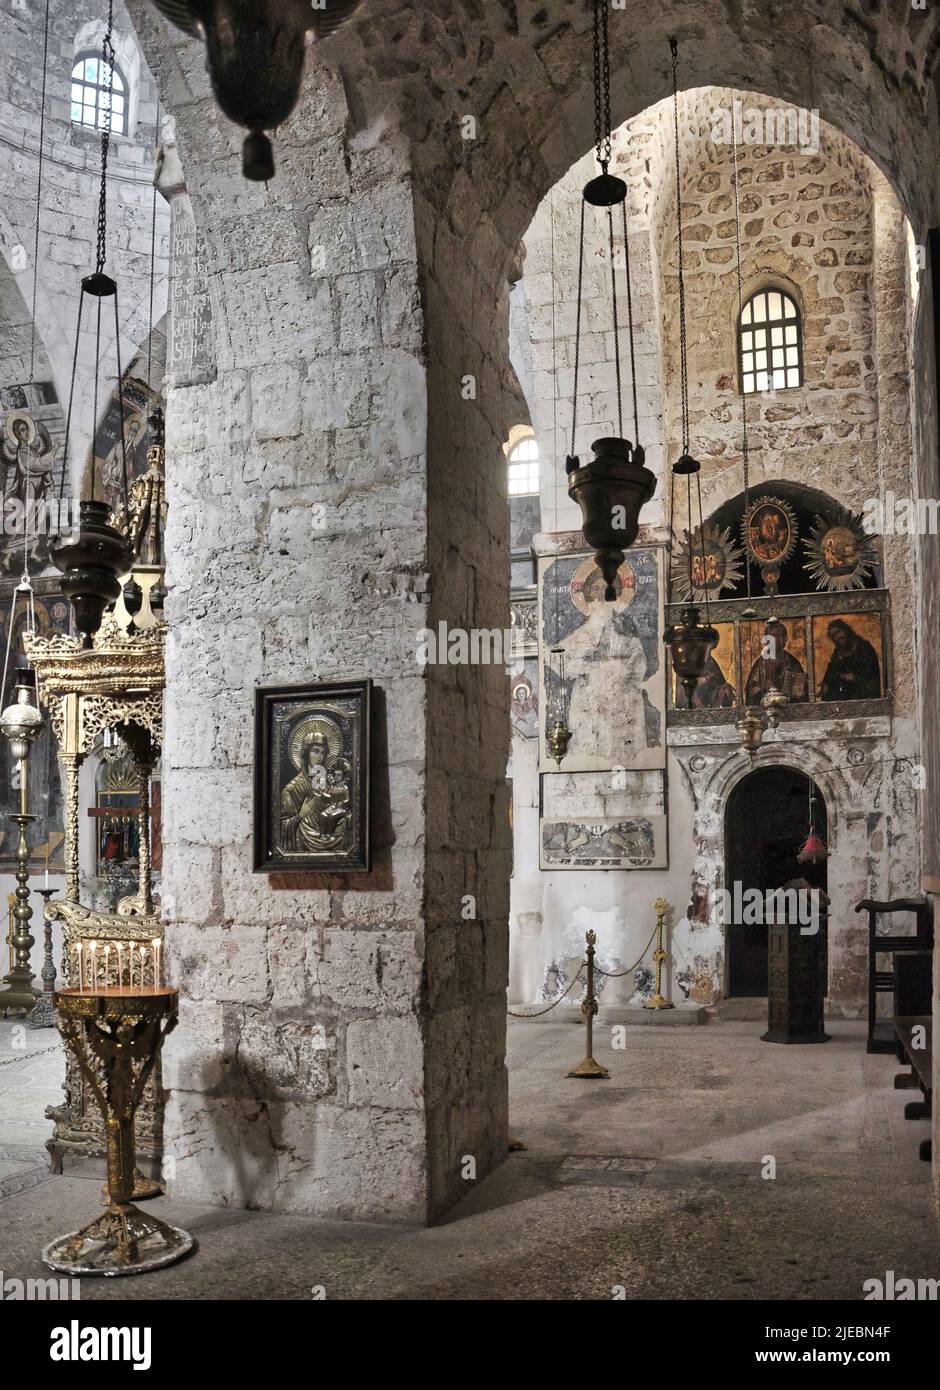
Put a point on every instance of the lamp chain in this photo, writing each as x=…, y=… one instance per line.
x=602, y=142
x=577, y=334
x=107, y=58
x=745, y=461
x=683, y=348
x=626, y=260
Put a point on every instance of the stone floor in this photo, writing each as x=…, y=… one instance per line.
x=650, y=1181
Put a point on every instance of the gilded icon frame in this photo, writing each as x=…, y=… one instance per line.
x=312, y=778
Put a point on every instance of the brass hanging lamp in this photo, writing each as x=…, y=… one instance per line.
x=93, y=560
x=255, y=52
x=690, y=641
x=612, y=488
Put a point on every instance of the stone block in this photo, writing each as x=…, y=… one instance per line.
x=385, y=1063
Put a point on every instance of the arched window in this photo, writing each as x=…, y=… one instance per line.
x=524, y=468
x=770, y=343
x=92, y=78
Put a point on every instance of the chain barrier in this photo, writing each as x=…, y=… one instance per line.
x=609, y=974
x=28, y=1056
x=555, y=1002
x=616, y=974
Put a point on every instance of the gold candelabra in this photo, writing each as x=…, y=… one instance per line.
x=660, y=907
x=589, y=1069
x=115, y=1038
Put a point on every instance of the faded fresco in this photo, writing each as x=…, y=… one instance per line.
x=617, y=843
x=32, y=431
x=613, y=661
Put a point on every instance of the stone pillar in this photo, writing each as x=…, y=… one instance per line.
x=331, y=493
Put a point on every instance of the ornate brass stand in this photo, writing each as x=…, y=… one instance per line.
x=115, y=1037
x=22, y=724
x=20, y=993
x=660, y=907
x=589, y=1069
x=43, y=1015
x=115, y=684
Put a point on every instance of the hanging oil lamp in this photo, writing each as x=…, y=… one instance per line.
x=255, y=53
x=814, y=849
x=558, y=734
x=93, y=560
x=612, y=488
x=690, y=641
x=773, y=702
x=751, y=727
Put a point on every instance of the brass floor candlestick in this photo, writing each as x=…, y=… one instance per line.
x=660, y=907
x=20, y=993
x=43, y=1014
x=589, y=1069
x=123, y=1032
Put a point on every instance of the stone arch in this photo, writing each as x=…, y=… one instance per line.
x=815, y=763
x=713, y=775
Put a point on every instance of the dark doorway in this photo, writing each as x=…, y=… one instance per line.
x=766, y=822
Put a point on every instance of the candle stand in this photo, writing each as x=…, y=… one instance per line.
x=43, y=1014
x=115, y=1037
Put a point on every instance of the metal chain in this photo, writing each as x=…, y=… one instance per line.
x=605, y=78
x=577, y=334
x=613, y=296
x=615, y=974
x=107, y=57
x=683, y=346
x=556, y=1002
x=598, y=132
x=626, y=258
x=28, y=1056
x=42, y=136
x=153, y=249
x=745, y=461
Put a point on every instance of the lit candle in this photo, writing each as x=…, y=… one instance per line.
x=81, y=971
x=120, y=956
x=130, y=972
x=93, y=952
x=47, y=865
x=157, y=982
x=107, y=965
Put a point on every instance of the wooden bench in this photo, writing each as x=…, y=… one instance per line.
x=921, y=1060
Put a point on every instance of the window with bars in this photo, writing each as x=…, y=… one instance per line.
x=770, y=343
x=94, y=84
x=524, y=468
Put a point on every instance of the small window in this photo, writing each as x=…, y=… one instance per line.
x=95, y=86
x=770, y=343
x=524, y=469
